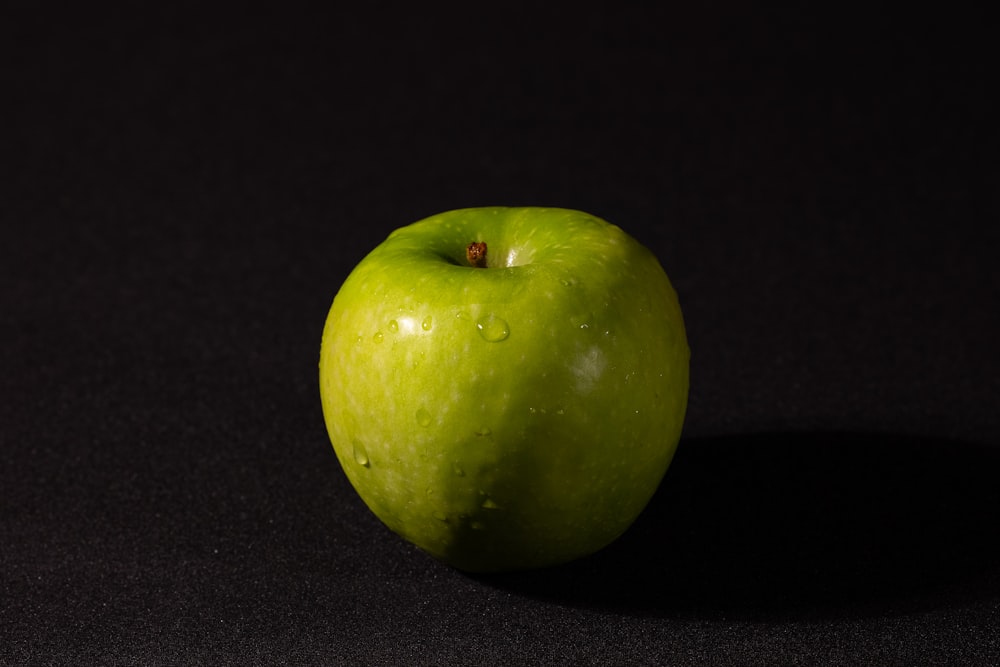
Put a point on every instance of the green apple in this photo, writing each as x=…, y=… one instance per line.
x=505, y=387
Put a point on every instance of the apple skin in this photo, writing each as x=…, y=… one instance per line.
x=509, y=417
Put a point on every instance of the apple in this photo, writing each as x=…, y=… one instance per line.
x=505, y=387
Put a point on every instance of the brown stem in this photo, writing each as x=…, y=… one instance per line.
x=476, y=254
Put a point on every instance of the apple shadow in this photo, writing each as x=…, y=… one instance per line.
x=799, y=525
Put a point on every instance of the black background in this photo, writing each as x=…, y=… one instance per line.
x=183, y=192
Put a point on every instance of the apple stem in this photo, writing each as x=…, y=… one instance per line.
x=476, y=254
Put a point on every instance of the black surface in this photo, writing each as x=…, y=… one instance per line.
x=184, y=191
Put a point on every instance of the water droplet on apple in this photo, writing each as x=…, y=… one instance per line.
x=378, y=337
x=490, y=504
x=361, y=454
x=492, y=328
x=423, y=417
x=427, y=323
x=393, y=326
x=484, y=431
x=458, y=470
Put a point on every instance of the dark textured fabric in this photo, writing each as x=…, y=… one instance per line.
x=182, y=193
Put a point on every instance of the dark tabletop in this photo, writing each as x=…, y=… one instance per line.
x=182, y=193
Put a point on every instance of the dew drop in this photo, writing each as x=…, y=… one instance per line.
x=393, y=326
x=427, y=323
x=361, y=454
x=484, y=431
x=492, y=328
x=423, y=417
x=378, y=337
x=490, y=504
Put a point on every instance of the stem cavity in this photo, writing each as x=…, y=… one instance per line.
x=476, y=254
